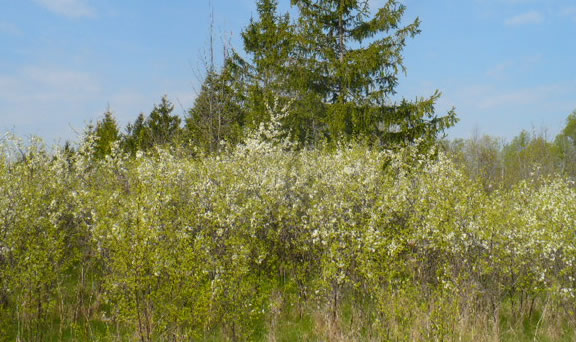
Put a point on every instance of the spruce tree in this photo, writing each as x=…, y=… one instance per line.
x=163, y=126
x=276, y=77
x=218, y=113
x=106, y=133
x=136, y=135
x=160, y=128
x=270, y=42
x=341, y=66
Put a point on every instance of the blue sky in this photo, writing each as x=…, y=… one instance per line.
x=506, y=65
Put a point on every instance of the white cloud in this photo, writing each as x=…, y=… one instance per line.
x=57, y=102
x=28, y=94
x=513, y=98
x=47, y=101
x=9, y=28
x=527, y=18
x=569, y=12
x=46, y=84
x=501, y=111
x=68, y=8
x=491, y=97
x=513, y=66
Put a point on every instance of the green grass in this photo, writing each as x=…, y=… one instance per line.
x=310, y=322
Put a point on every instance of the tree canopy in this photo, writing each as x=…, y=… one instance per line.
x=106, y=133
x=339, y=64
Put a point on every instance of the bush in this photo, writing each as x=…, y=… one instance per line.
x=366, y=244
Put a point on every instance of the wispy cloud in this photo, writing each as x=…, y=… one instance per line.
x=9, y=28
x=503, y=111
x=44, y=85
x=512, y=98
x=68, y=8
x=46, y=100
x=527, y=18
x=513, y=66
x=569, y=12
x=492, y=97
x=55, y=101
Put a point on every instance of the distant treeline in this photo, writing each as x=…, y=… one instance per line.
x=492, y=159
x=529, y=155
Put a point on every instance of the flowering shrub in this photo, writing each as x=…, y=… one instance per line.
x=165, y=247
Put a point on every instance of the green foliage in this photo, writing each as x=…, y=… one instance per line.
x=163, y=126
x=570, y=130
x=348, y=243
x=160, y=128
x=217, y=114
x=136, y=135
x=482, y=157
x=335, y=66
x=105, y=133
x=340, y=68
x=270, y=42
x=566, y=145
x=528, y=154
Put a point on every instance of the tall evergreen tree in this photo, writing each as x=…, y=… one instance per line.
x=276, y=76
x=163, y=126
x=342, y=64
x=136, y=135
x=106, y=133
x=358, y=58
x=217, y=114
x=270, y=42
